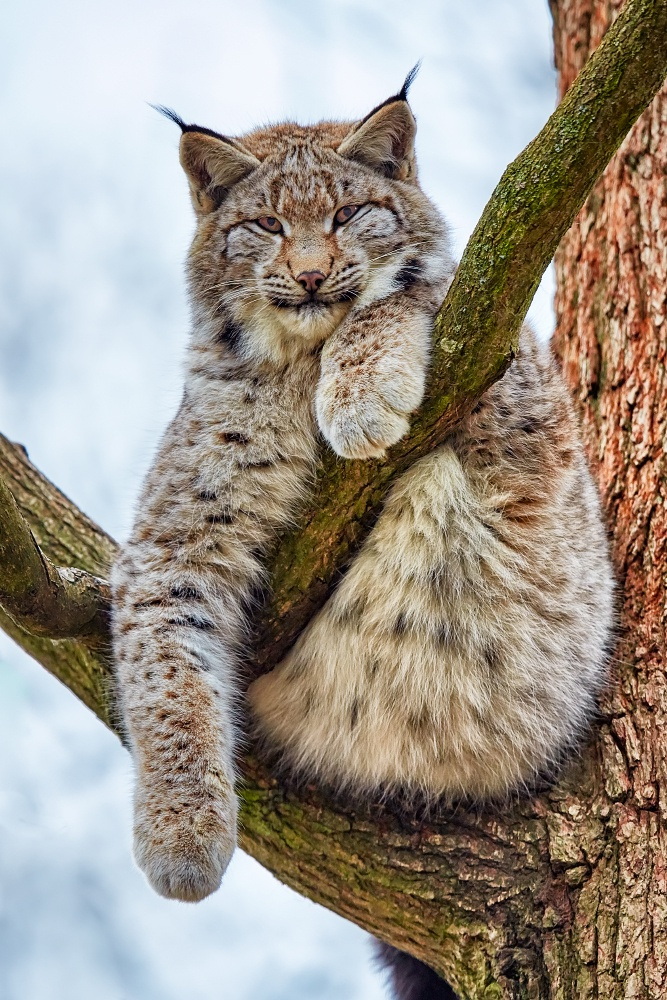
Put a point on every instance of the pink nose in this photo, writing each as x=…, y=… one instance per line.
x=311, y=280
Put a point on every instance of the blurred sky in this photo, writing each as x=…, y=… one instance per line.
x=94, y=226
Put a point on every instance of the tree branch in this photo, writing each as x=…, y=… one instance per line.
x=69, y=540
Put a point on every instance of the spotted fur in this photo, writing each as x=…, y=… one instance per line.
x=463, y=650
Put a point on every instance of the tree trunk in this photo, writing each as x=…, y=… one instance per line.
x=561, y=896
x=611, y=339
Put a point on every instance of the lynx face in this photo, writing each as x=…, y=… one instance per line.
x=333, y=239
x=297, y=225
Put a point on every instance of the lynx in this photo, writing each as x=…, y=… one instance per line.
x=461, y=654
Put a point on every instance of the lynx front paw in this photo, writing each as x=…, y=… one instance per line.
x=364, y=430
x=361, y=416
x=184, y=838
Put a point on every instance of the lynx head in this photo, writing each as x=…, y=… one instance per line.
x=298, y=225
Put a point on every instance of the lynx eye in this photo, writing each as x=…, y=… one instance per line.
x=270, y=224
x=345, y=213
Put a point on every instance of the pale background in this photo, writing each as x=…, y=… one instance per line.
x=94, y=224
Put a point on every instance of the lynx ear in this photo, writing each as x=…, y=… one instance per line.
x=384, y=140
x=212, y=162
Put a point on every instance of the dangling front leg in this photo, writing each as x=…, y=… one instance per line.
x=171, y=662
x=226, y=479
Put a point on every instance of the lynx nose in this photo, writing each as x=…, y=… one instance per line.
x=311, y=280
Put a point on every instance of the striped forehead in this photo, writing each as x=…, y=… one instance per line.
x=305, y=178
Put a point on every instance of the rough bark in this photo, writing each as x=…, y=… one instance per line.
x=559, y=896
x=612, y=340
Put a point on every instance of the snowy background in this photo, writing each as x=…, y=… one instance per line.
x=94, y=225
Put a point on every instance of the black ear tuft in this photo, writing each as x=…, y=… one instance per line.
x=402, y=95
x=171, y=115
x=177, y=120
x=409, y=80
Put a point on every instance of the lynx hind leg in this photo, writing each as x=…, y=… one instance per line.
x=383, y=688
x=456, y=658
x=299, y=714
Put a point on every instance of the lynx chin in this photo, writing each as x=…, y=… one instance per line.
x=461, y=655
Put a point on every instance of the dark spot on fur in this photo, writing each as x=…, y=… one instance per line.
x=492, y=657
x=295, y=669
x=156, y=602
x=231, y=335
x=205, y=624
x=493, y=530
x=185, y=594
x=309, y=703
x=408, y=274
x=267, y=464
x=354, y=713
x=234, y=373
x=419, y=723
x=372, y=668
x=444, y=635
x=207, y=496
x=400, y=625
x=233, y=437
x=127, y=627
x=529, y=426
x=224, y=518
